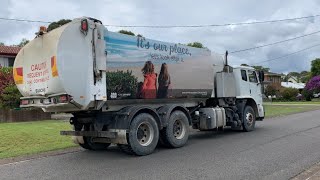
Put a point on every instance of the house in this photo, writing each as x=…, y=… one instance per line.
x=293, y=79
x=272, y=79
x=7, y=55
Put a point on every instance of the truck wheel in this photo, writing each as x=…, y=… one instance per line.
x=249, y=119
x=88, y=144
x=125, y=148
x=176, y=133
x=143, y=135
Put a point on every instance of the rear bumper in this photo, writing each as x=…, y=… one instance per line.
x=116, y=136
x=105, y=134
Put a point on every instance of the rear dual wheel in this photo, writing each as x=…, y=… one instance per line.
x=143, y=135
x=176, y=133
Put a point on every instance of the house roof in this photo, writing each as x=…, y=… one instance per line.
x=293, y=85
x=9, y=50
x=272, y=74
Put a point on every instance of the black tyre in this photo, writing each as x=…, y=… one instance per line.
x=249, y=119
x=126, y=149
x=143, y=135
x=176, y=133
x=88, y=144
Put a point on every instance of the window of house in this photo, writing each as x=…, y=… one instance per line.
x=244, y=75
x=11, y=61
x=252, y=76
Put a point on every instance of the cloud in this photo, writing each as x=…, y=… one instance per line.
x=188, y=12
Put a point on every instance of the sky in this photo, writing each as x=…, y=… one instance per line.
x=188, y=12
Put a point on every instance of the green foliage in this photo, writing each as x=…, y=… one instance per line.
x=57, y=24
x=9, y=94
x=23, y=42
x=289, y=94
x=196, y=45
x=270, y=90
x=6, y=78
x=127, y=32
x=315, y=67
x=10, y=97
x=122, y=82
x=261, y=68
x=1, y=44
x=308, y=95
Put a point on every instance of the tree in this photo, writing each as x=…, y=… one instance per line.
x=315, y=67
x=313, y=84
x=127, y=32
x=196, y=45
x=1, y=44
x=23, y=42
x=261, y=68
x=57, y=24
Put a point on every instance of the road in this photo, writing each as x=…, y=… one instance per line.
x=279, y=148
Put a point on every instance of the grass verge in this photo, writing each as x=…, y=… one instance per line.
x=26, y=138
x=281, y=110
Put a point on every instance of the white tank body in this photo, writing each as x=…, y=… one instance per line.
x=64, y=62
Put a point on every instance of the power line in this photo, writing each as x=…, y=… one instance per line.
x=180, y=26
x=274, y=43
x=214, y=25
x=290, y=54
x=24, y=20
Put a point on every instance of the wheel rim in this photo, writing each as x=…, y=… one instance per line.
x=145, y=134
x=179, y=129
x=249, y=119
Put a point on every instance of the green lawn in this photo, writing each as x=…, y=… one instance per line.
x=281, y=110
x=32, y=137
x=314, y=101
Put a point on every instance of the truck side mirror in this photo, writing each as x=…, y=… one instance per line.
x=261, y=76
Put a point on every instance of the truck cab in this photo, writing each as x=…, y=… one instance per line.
x=249, y=86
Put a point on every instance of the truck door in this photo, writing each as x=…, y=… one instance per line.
x=255, y=87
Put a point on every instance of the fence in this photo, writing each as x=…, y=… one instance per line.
x=23, y=115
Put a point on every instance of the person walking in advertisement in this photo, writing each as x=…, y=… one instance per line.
x=149, y=86
x=164, y=81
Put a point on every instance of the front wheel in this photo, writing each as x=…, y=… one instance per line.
x=249, y=119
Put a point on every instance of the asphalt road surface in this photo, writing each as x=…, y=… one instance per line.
x=279, y=148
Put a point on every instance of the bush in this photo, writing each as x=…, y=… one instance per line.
x=308, y=95
x=270, y=90
x=10, y=98
x=122, y=82
x=289, y=94
x=9, y=93
x=6, y=78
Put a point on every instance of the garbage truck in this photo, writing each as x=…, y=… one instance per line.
x=133, y=91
